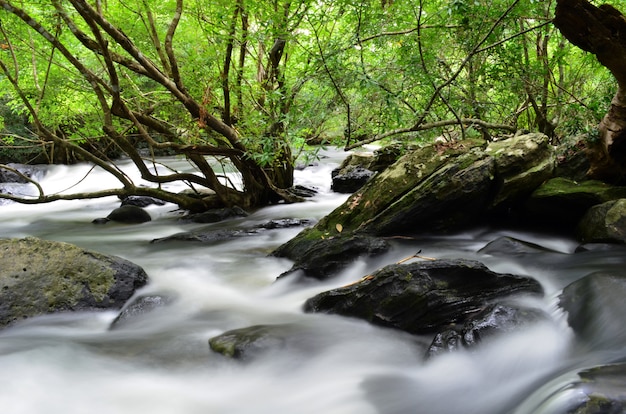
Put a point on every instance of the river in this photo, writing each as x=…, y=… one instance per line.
x=161, y=363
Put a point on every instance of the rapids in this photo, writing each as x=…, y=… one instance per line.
x=161, y=363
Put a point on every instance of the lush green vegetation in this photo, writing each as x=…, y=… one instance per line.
x=250, y=82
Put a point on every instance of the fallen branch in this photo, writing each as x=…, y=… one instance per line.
x=415, y=256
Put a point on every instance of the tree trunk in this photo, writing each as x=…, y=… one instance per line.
x=602, y=31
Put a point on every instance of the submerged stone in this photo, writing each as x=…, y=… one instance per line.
x=595, y=308
x=128, y=214
x=491, y=321
x=250, y=341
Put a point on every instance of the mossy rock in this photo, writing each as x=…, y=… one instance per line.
x=523, y=163
x=602, y=389
x=392, y=184
x=245, y=342
x=38, y=277
x=563, y=202
x=604, y=223
x=433, y=204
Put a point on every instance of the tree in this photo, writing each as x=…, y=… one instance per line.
x=125, y=54
x=602, y=32
x=236, y=84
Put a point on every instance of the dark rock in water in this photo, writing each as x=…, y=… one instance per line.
x=215, y=215
x=21, y=173
x=141, y=201
x=303, y=191
x=596, y=307
x=211, y=235
x=604, y=223
x=246, y=342
x=599, y=391
x=207, y=236
x=562, y=202
x=101, y=220
x=139, y=306
x=350, y=179
x=423, y=297
x=493, y=320
x=285, y=223
x=40, y=277
x=507, y=246
x=126, y=214
x=323, y=258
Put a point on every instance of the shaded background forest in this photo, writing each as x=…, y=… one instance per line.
x=267, y=78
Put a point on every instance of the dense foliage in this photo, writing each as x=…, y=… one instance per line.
x=247, y=82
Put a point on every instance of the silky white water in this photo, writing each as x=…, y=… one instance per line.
x=161, y=362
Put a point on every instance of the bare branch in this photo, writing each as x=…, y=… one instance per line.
x=432, y=125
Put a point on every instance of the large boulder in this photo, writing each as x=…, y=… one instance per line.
x=522, y=164
x=604, y=223
x=380, y=195
x=562, y=202
x=595, y=308
x=435, y=188
x=423, y=297
x=40, y=277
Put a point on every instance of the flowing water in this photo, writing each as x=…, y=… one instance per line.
x=161, y=362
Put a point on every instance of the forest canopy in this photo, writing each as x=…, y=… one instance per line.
x=249, y=83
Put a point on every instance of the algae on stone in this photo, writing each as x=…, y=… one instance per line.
x=40, y=276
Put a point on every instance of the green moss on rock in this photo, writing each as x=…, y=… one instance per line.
x=40, y=276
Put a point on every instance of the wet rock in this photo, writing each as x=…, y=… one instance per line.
x=139, y=306
x=207, y=236
x=128, y=214
x=493, y=320
x=510, y=246
x=349, y=179
x=21, y=173
x=247, y=342
x=604, y=223
x=439, y=189
x=142, y=201
x=38, y=277
x=303, y=191
x=602, y=389
x=215, y=215
x=212, y=235
x=323, y=258
x=423, y=297
x=595, y=308
x=285, y=223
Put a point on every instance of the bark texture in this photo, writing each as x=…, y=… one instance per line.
x=602, y=31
